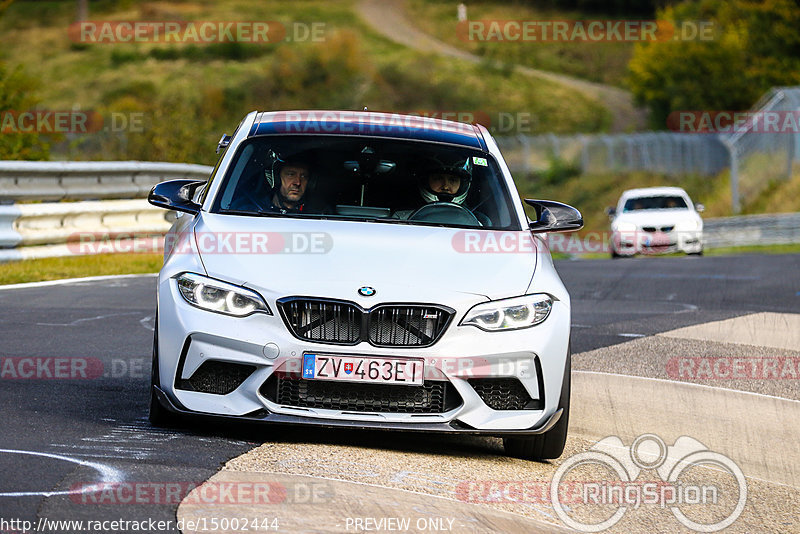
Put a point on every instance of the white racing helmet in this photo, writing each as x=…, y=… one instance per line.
x=461, y=169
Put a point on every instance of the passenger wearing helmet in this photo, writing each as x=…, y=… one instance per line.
x=446, y=183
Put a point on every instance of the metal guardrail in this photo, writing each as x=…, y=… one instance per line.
x=22, y=181
x=746, y=230
x=34, y=223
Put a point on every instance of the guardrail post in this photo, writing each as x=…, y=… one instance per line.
x=735, y=202
x=9, y=237
x=734, y=159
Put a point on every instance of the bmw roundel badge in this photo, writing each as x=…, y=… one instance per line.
x=366, y=291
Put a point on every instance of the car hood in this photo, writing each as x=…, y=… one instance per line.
x=333, y=259
x=657, y=217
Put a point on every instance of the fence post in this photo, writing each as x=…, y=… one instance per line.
x=735, y=202
x=526, y=153
x=584, y=154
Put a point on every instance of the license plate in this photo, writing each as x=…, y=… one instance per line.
x=363, y=369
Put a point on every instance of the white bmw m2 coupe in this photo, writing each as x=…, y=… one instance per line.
x=364, y=270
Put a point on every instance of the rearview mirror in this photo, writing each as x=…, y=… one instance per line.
x=176, y=195
x=699, y=208
x=611, y=211
x=554, y=217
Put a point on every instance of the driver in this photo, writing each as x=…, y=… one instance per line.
x=290, y=191
x=285, y=187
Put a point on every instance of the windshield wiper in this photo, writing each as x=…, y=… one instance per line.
x=244, y=212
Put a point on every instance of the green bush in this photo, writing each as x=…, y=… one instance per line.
x=17, y=92
x=120, y=56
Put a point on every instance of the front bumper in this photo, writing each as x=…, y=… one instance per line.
x=188, y=337
x=264, y=416
x=641, y=242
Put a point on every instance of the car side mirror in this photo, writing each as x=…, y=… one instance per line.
x=176, y=195
x=554, y=217
x=611, y=212
x=699, y=208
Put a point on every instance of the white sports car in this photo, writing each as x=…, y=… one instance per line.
x=364, y=270
x=655, y=220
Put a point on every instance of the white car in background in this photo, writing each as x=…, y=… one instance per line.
x=655, y=220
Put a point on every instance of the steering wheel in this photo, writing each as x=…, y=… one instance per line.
x=445, y=212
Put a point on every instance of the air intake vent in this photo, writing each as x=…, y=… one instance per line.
x=432, y=397
x=219, y=378
x=504, y=394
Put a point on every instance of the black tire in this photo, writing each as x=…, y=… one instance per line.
x=549, y=445
x=158, y=416
x=700, y=253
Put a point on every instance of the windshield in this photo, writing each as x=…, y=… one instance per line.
x=380, y=180
x=655, y=203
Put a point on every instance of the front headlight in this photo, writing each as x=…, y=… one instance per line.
x=510, y=314
x=625, y=227
x=221, y=297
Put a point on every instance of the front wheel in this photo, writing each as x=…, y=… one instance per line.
x=551, y=444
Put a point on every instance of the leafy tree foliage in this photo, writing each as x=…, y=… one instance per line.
x=755, y=46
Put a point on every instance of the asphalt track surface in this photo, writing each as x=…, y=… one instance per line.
x=50, y=424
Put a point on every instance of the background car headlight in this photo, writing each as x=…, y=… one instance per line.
x=687, y=226
x=221, y=297
x=510, y=314
x=624, y=227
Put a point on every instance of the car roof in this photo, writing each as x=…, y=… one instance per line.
x=653, y=192
x=367, y=124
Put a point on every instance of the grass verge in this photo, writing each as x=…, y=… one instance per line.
x=39, y=270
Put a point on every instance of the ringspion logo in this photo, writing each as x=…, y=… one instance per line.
x=689, y=476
